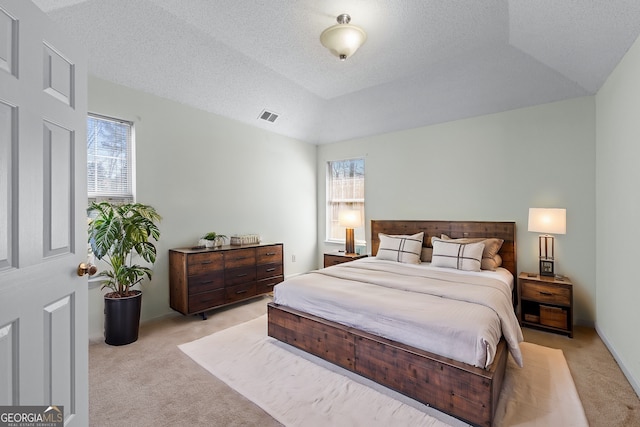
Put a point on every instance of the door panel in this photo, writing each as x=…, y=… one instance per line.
x=58, y=204
x=8, y=131
x=43, y=199
x=9, y=358
x=8, y=43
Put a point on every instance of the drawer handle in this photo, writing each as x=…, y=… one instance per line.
x=204, y=282
x=206, y=262
x=242, y=274
x=269, y=270
x=241, y=292
x=547, y=294
x=270, y=253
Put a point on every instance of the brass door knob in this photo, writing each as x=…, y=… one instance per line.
x=87, y=268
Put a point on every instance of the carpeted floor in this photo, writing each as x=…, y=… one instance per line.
x=313, y=392
x=152, y=383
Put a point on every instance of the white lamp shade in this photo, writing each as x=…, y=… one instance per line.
x=350, y=219
x=343, y=39
x=548, y=221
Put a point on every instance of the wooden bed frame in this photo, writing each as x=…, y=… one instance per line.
x=461, y=390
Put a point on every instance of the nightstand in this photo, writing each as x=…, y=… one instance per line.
x=333, y=258
x=546, y=303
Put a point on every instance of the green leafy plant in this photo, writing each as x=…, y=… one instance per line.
x=116, y=234
x=215, y=237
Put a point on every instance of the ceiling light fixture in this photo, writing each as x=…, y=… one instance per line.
x=343, y=39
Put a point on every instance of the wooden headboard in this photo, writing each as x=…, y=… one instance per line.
x=454, y=229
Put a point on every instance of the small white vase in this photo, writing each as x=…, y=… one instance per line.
x=206, y=243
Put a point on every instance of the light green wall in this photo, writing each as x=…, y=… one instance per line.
x=493, y=167
x=617, y=213
x=206, y=173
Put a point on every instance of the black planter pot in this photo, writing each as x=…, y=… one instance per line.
x=122, y=319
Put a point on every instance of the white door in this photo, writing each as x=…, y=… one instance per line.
x=43, y=302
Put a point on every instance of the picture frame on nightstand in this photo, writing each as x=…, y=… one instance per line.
x=546, y=268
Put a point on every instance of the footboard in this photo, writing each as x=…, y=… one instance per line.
x=456, y=388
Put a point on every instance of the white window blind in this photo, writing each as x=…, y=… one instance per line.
x=345, y=190
x=109, y=159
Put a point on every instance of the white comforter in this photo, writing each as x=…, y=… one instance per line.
x=460, y=316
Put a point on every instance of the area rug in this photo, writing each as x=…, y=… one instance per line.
x=299, y=389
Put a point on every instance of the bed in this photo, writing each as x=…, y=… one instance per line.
x=465, y=387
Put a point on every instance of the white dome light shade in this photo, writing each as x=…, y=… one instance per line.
x=343, y=39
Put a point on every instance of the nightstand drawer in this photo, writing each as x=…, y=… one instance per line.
x=542, y=292
x=339, y=258
x=334, y=260
x=555, y=317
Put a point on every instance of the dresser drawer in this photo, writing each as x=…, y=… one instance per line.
x=269, y=270
x=265, y=286
x=269, y=254
x=205, y=300
x=235, y=276
x=239, y=292
x=240, y=258
x=206, y=282
x=541, y=292
x=204, y=262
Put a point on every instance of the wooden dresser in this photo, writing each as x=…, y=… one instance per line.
x=202, y=279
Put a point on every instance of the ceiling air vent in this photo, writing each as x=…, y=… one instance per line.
x=268, y=116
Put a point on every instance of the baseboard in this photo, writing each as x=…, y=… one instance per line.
x=625, y=371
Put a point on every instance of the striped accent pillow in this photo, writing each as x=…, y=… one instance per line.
x=460, y=256
x=400, y=248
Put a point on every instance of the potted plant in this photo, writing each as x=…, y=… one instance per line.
x=120, y=234
x=212, y=240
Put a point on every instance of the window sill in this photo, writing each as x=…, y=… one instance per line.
x=362, y=243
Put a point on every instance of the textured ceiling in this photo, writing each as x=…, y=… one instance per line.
x=424, y=62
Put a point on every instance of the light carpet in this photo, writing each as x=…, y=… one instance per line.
x=299, y=389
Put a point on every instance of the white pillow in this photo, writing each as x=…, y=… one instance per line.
x=460, y=256
x=490, y=258
x=400, y=248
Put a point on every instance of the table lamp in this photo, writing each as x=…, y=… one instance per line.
x=548, y=222
x=349, y=219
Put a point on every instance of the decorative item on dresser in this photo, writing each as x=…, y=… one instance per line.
x=212, y=240
x=334, y=258
x=546, y=303
x=202, y=279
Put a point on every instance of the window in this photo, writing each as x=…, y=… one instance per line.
x=345, y=190
x=109, y=159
